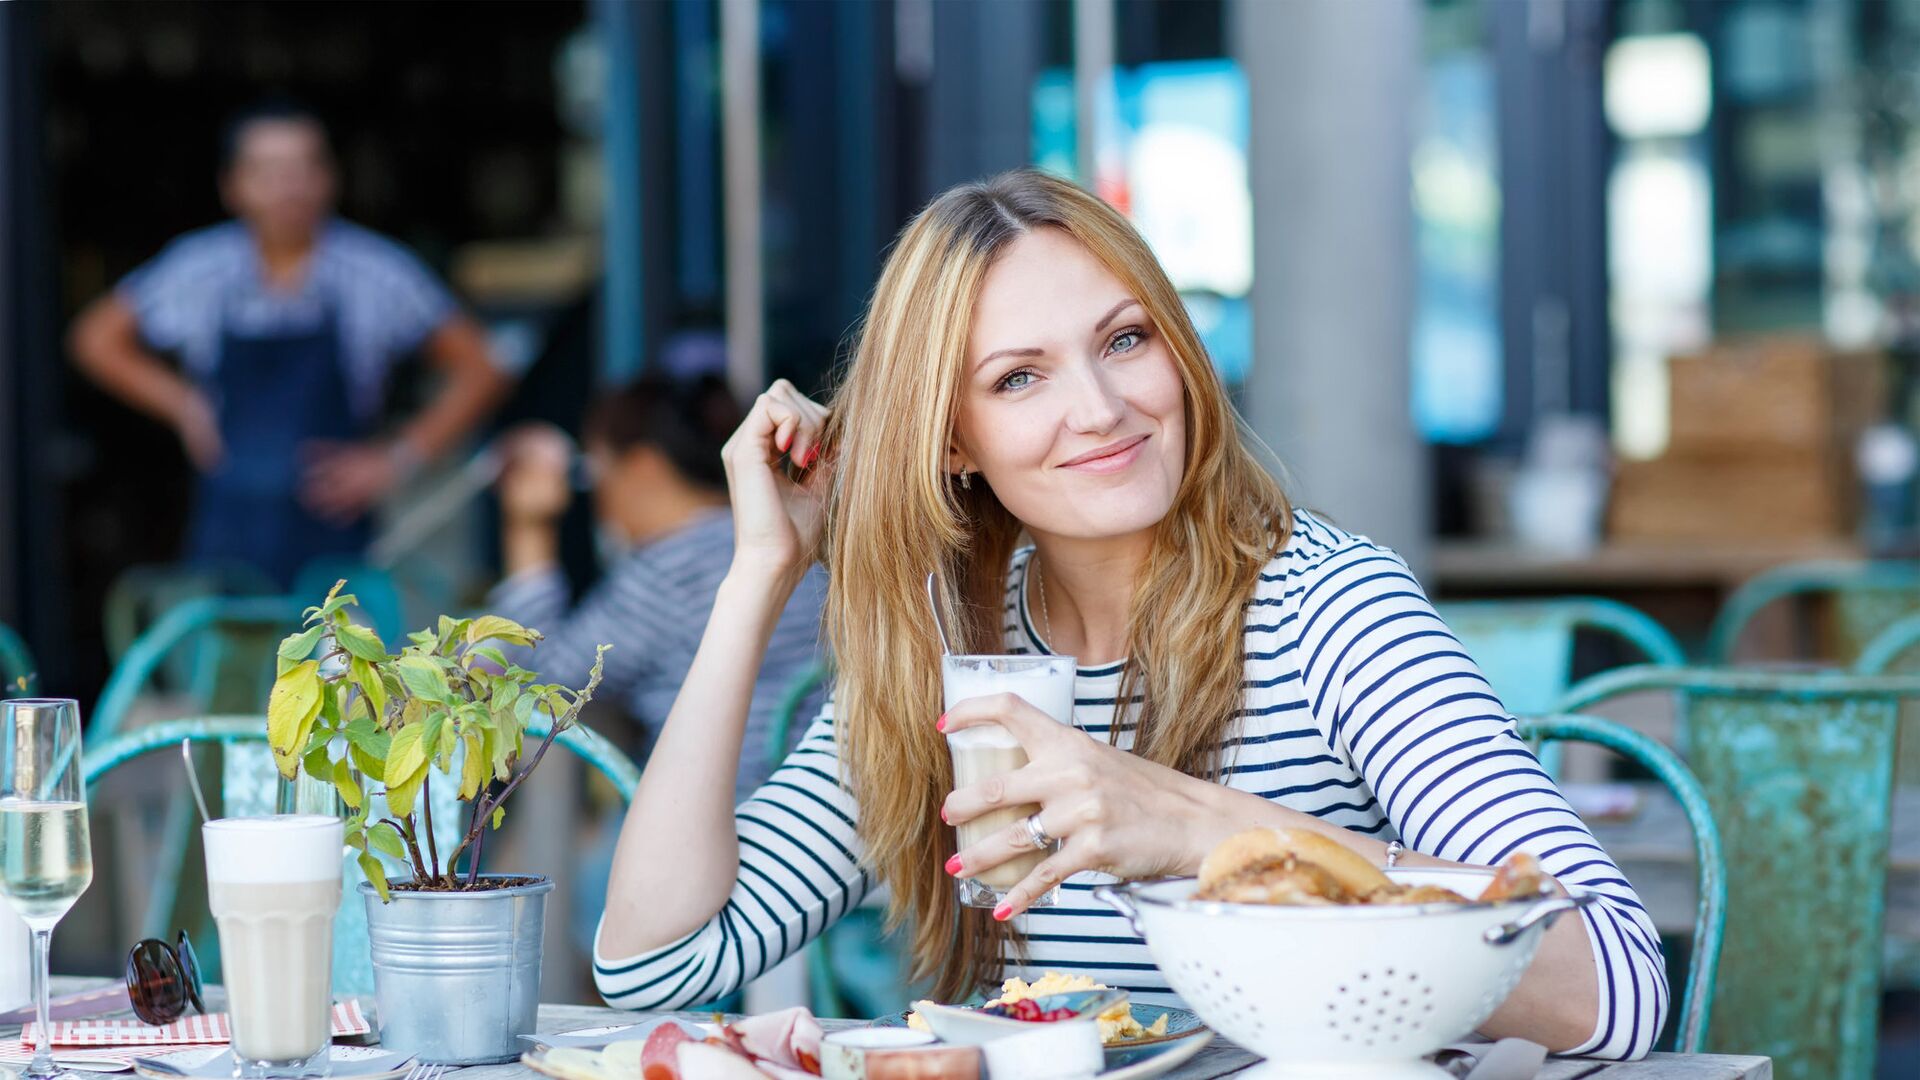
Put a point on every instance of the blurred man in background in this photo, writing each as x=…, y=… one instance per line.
x=286, y=323
x=660, y=508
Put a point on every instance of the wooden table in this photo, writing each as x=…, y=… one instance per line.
x=1219, y=1059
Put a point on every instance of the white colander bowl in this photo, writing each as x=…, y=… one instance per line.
x=1347, y=991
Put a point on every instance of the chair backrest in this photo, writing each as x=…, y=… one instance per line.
x=1525, y=647
x=1710, y=914
x=1865, y=597
x=787, y=713
x=234, y=642
x=17, y=667
x=1797, y=769
x=141, y=594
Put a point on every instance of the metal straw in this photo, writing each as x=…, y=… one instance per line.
x=939, y=623
x=193, y=779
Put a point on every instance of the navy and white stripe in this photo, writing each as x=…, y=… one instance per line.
x=652, y=606
x=1362, y=709
x=383, y=301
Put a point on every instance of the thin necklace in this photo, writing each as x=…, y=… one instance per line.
x=1046, y=620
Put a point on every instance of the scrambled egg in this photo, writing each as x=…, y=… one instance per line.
x=1116, y=1024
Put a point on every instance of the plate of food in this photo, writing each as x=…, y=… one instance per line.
x=1138, y=1040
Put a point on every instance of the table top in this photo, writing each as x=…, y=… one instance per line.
x=1220, y=1059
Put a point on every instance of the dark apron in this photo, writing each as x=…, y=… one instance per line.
x=273, y=394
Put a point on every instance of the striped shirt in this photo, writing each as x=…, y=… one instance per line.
x=652, y=607
x=1361, y=709
x=384, y=303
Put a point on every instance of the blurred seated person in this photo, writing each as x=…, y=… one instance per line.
x=286, y=322
x=666, y=538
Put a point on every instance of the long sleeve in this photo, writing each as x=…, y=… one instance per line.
x=1397, y=695
x=799, y=873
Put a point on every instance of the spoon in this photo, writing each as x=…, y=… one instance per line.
x=933, y=601
x=193, y=779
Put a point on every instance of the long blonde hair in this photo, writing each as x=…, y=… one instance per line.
x=894, y=512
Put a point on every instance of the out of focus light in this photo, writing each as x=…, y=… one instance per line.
x=1658, y=86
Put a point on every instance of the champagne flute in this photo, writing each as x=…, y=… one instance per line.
x=46, y=859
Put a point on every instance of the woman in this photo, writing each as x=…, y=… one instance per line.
x=1026, y=367
x=660, y=505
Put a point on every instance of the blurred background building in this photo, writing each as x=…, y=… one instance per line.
x=1595, y=296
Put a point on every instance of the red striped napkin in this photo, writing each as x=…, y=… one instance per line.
x=348, y=1019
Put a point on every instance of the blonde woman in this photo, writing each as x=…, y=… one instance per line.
x=1026, y=370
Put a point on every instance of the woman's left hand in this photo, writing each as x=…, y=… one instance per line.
x=1111, y=811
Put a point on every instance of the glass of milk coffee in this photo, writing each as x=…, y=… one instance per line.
x=273, y=884
x=980, y=753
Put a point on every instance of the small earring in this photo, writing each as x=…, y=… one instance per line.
x=966, y=479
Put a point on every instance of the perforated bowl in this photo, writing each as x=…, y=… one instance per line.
x=1350, y=991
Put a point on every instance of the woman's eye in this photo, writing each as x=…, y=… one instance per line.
x=1015, y=380
x=1126, y=341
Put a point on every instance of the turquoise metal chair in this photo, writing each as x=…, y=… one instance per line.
x=140, y=595
x=1525, y=647
x=170, y=904
x=1798, y=770
x=1696, y=1003
x=1865, y=598
x=17, y=666
x=232, y=641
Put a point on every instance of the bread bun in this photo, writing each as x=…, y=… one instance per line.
x=1242, y=850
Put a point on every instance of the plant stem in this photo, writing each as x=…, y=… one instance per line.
x=426, y=799
x=405, y=825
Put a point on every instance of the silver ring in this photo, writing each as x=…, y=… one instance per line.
x=1394, y=848
x=1036, y=835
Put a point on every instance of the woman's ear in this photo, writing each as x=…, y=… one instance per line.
x=958, y=462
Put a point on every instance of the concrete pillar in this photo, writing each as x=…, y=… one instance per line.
x=1332, y=86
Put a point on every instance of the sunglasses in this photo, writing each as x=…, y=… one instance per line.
x=163, y=980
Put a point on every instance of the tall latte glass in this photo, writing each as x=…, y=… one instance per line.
x=1046, y=683
x=274, y=884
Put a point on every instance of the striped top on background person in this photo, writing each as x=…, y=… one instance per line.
x=652, y=606
x=1361, y=709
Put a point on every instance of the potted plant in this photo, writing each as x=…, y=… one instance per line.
x=456, y=953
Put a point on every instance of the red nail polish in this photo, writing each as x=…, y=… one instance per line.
x=1003, y=912
x=940, y=724
x=953, y=866
x=783, y=442
x=813, y=455
x=943, y=815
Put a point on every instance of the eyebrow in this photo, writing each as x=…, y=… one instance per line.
x=1112, y=313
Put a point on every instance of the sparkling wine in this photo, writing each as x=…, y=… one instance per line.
x=46, y=859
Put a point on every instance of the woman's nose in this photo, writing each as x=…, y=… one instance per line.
x=1096, y=408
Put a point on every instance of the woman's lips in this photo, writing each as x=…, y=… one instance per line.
x=1108, y=459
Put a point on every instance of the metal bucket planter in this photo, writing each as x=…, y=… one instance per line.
x=456, y=975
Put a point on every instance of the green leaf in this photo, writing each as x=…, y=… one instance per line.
x=360, y=643
x=403, y=797
x=300, y=646
x=376, y=873
x=291, y=707
x=386, y=838
x=405, y=757
x=488, y=653
x=424, y=679
x=349, y=788
x=369, y=764
x=368, y=680
x=495, y=628
x=473, y=768
x=318, y=764
x=499, y=815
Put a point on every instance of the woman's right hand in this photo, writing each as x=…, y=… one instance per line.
x=776, y=522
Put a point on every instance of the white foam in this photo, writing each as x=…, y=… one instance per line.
x=284, y=849
x=1044, y=682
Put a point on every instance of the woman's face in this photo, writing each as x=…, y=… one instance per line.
x=1071, y=406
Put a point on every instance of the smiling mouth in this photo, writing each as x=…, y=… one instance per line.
x=1105, y=454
